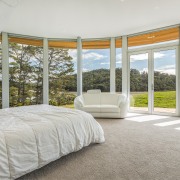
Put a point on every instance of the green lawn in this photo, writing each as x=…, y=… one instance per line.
x=164, y=99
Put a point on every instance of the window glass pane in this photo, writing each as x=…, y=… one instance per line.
x=62, y=75
x=118, y=68
x=139, y=82
x=96, y=66
x=26, y=72
x=0, y=73
x=165, y=81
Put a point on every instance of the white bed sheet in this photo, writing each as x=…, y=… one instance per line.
x=33, y=136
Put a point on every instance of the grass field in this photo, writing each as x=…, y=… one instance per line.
x=164, y=99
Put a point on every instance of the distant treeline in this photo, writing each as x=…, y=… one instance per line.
x=100, y=79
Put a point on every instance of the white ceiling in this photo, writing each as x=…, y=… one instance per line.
x=86, y=18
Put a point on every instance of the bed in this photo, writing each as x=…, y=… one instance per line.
x=33, y=136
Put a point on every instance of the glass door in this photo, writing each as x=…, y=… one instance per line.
x=138, y=81
x=164, y=80
x=153, y=81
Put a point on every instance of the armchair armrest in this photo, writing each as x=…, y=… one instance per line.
x=123, y=105
x=79, y=102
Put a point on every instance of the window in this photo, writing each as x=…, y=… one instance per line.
x=96, y=65
x=153, y=72
x=62, y=73
x=119, y=65
x=26, y=71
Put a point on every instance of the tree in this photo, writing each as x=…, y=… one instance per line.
x=61, y=69
x=22, y=83
x=26, y=74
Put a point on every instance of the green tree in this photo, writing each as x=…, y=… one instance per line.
x=22, y=84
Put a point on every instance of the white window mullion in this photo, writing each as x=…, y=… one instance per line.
x=178, y=81
x=113, y=66
x=125, y=69
x=79, y=66
x=45, y=72
x=5, y=71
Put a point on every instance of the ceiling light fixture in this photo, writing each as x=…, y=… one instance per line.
x=150, y=37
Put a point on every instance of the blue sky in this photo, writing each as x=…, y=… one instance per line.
x=164, y=61
x=100, y=58
x=96, y=59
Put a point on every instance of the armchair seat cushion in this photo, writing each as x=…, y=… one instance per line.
x=109, y=108
x=101, y=108
x=91, y=108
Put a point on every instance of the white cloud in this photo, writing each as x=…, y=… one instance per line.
x=158, y=55
x=118, y=57
x=85, y=51
x=73, y=54
x=144, y=70
x=93, y=56
x=140, y=57
x=118, y=62
x=169, y=69
x=105, y=63
x=85, y=70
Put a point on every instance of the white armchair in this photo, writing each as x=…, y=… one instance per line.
x=102, y=105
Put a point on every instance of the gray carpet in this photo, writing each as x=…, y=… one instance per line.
x=132, y=151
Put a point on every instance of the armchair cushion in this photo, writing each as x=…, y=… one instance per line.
x=109, y=108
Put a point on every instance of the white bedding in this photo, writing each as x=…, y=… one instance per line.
x=33, y=136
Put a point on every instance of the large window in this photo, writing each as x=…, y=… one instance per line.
x=165, y=80
x=0, y=72
x=119, y=65
x=96, y=65
x=138, y=81
x=153, y=71
x=26, y=71
x=62, y=73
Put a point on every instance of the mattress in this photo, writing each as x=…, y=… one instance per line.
x=33, y=136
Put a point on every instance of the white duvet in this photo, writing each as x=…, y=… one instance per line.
x=33, y=136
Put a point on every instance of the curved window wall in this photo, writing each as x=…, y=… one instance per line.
x=26, y=67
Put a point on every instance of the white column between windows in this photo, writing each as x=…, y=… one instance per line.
x=125, y=66
x=5, y=71
x=79, y=66
x=113, y=66
x=45, y=72
x=178, y=77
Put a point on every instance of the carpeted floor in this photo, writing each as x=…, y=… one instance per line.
x=132, y=151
